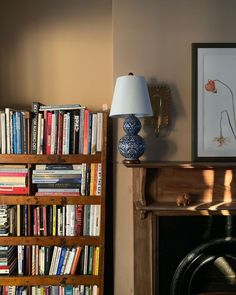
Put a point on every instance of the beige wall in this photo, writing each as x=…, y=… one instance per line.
x=55, y=52
x=61, y=51
x=153, y=38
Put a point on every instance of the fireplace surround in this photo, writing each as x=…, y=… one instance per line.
x=211, y=187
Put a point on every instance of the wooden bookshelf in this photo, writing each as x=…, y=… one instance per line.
x=30, y=200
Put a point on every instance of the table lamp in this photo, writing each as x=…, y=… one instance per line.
x=131, y=100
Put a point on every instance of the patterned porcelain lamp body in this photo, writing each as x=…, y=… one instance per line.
x=131, y=100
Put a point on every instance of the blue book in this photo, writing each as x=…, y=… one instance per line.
x=61, y=260
x=68, y=290
x=14, y=134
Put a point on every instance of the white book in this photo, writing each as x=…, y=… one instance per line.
x=3, y=133
x=11, y=290
x=8, y=136
x=68, y=220
x=63, y=220
x=20, y=257
x=69, y=261
x=99, y=180
x=97, y=217
x=94, y=134
x=33, y=290
x=58, y=254
x=51, y=269
x=53, y=134
x=59, y=221
x=72, y=221
x=95, y=290
x=39, y=132
x=83, y=179
x=92, y=220
x=99, y=131
x=42, y=137
x=36, y=260
x=41, y=260
x=86, y=252
x=64, y=134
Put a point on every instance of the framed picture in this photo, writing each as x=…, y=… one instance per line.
x=214, y=101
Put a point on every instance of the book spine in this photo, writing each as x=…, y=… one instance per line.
x=49, y=132
x=94, y=134
x=34, y=125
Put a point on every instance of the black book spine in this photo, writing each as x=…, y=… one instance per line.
x=34, y=127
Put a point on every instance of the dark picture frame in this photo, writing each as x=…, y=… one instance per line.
x=214, y=102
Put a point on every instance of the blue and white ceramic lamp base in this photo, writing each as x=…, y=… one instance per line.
x=131, y=146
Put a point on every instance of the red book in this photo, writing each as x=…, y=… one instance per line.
x=79, y=220
x=20, y=174
x=10, y=190
x=45, y=115
x=44, y=221
x=86, y=130
x=59, y=133
x=49, y=132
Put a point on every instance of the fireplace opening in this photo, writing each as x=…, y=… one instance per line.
x=196, y=255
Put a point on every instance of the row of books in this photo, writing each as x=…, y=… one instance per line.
x=14, y=179
x=55, y=129
x=14, y=131
x=8, y=259
x=81, y=179
x=50, y=220
x=54, y=260
x=65, y=129
x=50, y=290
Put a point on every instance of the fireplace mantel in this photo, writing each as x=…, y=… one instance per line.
x=210, y=186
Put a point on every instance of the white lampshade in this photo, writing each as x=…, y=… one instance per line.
x=131, y=97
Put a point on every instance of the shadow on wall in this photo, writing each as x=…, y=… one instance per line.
x=159, y=146
x=39, y=37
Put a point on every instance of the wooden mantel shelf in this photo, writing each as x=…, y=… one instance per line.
x=182, y=165
x=211, y=187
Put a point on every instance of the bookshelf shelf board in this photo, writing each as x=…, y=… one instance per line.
x=50, y=159
x=49, y=240
x=49, y=200
x=49, y=280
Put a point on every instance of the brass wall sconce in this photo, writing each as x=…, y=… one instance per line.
x=160, y=97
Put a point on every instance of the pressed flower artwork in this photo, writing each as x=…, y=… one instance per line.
x=214, y=101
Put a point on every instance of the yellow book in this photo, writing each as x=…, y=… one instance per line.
x=92, y=175
x=54, y=220
x=96, y=261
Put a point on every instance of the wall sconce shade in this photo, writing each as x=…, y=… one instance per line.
x=131, y=100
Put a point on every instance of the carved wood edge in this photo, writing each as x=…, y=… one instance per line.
x=139, y=188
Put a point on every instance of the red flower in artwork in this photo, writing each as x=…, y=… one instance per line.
x=211, y=86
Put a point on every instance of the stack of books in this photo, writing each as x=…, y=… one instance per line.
x=8, y=259
x=4, y=220
x=65, y=129
x=69, y=180
x=14, y=179
x=58, y=179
